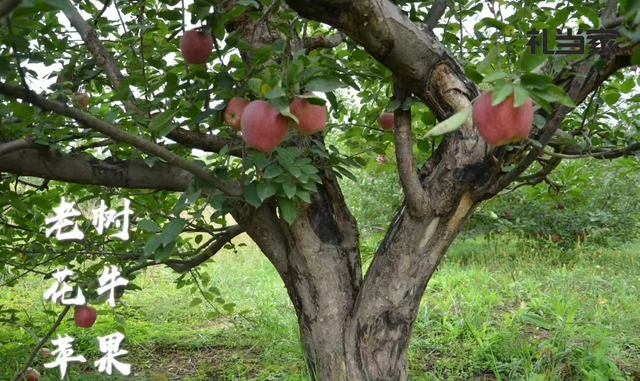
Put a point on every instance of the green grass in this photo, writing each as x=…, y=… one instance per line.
x=503, y=310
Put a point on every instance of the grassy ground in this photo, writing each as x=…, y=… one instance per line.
x=494, y=311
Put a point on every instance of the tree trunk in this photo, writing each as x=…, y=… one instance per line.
x=354, y=329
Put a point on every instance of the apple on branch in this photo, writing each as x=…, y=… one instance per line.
x=196, y=47
x=311, y=118
x=82, y=99
x=32, y=375
x=386, y=121
x=503, y=123
x=85, y=316
x=233, y=112
x=263, y=126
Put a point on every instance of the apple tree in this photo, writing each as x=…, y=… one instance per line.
x=126, y=120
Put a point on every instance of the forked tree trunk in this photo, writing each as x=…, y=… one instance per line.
x=353, y=328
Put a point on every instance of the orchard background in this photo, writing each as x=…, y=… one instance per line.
x=311, y=261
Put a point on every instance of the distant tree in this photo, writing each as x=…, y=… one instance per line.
x=146, y=116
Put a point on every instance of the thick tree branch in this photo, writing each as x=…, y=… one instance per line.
x=87, y=121
x=206, y=142
x=414, y=194
x=610, y=10
x=435, y=13
x=424, y=65
x=182, y=266
x=7, y=6
x=17, y=145
x=84, y=169
x=316, y=42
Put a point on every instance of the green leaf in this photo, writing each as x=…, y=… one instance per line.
x=303, y=195
x=502, y=94
x=195, y=302
x=346, y=173
x=251, y=195
x=172, y=230
x=149, y=225
x=536, y=320
x=276, y=92
x=611, y=98
x=554, y=93
x=124, y=92
x=589, y=13
x=255, y=85
x=536, y=81
x=289, y=189
x=150, y=161
x=272, y=171
x=266, y=190
x=161, y=123
x=490, y=22
x=287, y=209
x=424, y=145
x=152, y=245
x=262, y=54
x=395, y=103
x=324, y=84
x=521, y=96
x=494, y=76
x=473, y=74
x=282, y=104
x=452, y=123
x=489, y=60
x=164, y=252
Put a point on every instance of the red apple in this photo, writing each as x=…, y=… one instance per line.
x=555, y=238
x=196, y=47
x=45, y=352
x=386, y=121
x=233, y=112
x=85, y=316
x=263, y=126
x=82, y=99
x=32, y=375
x=634, y=68
x=507, y=213
x=582, y=233
x=381, y=160
x=602, y=133
x=502, y=124
x=312, y=118
x=561, y=206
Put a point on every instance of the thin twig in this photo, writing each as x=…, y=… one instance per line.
x=40, y=344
